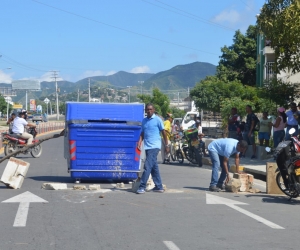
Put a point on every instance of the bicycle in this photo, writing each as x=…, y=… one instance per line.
x=175, y=149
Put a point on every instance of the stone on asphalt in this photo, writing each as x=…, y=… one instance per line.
x=94, y=187
x=79, y=187
x=54, y=186
x=120, y=185
x=233, y=185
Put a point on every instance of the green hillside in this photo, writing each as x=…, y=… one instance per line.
x=178, y=77
x=181, y=76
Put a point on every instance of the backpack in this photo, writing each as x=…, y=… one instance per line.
x=257, y=124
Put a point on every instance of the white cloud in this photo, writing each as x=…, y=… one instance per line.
x=140, y=69
x=90, y=73
x=231, y=16
x=5, y=78
x=109, y=73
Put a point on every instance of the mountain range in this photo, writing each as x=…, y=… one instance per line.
x=178, y=77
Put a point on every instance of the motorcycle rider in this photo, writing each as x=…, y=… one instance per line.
x=19, y=128
x=10, y=122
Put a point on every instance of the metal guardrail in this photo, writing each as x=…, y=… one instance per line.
x=41, y=128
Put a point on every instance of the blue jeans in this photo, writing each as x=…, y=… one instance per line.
x=278, y=136
x=151, y=167
x=287, y=135
x=217, y=161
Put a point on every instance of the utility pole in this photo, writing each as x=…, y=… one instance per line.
x=56, y=92
x=141, y=82
x=129, y=93
x=89, y=89
x=178, y=100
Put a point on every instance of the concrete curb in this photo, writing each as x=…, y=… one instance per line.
x=254, y=171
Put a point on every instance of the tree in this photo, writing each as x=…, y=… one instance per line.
x=210, y=92
x=238, y=61
x=160, y=101
x=176, y=112
x=279, y=22
x=279, y=92
x=3, y=105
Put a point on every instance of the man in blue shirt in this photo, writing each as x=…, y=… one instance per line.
x=292, y=121
x=219, y=151
x=152, y=126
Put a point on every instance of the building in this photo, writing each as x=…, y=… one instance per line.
x=265, y=64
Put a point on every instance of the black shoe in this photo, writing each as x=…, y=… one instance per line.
x=221, y=186
x=214, y=189
x=253, y=157
x=242, y=156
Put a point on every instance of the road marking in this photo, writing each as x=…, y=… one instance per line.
x=170, y=245
x=213, y=199
x=24, y=199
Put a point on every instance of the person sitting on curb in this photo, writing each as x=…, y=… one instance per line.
x=19, y=128
x=219, y=151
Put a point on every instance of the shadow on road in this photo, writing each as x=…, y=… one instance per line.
x=276, y=199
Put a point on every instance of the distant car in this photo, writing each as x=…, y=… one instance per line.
x=37, y=118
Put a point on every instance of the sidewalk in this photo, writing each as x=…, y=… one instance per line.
x=253, y=166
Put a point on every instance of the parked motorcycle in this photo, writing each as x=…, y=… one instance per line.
x=12, y=143
x=191, y=147
x=287, y=156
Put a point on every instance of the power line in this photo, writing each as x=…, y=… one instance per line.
x=18, y=64
x=189, y=15
x=126, y=30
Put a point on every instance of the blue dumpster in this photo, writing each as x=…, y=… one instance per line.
x=101, y=140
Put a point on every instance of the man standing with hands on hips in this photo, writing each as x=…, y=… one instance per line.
x=152, y=126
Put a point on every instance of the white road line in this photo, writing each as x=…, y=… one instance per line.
x=21, y=216
x=256, y=217
x=170, y=245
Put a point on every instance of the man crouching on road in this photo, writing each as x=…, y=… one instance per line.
x=152, y=125
x=19, y=128
x=219, y=151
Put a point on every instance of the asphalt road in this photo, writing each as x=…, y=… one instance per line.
x=180, y=218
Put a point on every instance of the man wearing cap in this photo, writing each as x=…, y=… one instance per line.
x=219, y=152
x=168, y=129
x=292, y=120
x=233, y=123
x=18, y=128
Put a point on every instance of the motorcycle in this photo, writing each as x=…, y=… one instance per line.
x=12, y=143
x=287, y=156
x=191, y=147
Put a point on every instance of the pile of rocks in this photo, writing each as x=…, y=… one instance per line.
x=241, y=182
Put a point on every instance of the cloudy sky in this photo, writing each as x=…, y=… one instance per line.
x=101, y=37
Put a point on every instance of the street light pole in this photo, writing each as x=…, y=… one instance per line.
x=56, y=92
x=129, y=92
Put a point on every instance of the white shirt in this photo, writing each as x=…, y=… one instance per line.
x=199, y=130
x=18, y=125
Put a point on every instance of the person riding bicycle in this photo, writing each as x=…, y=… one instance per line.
x=19, y=128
